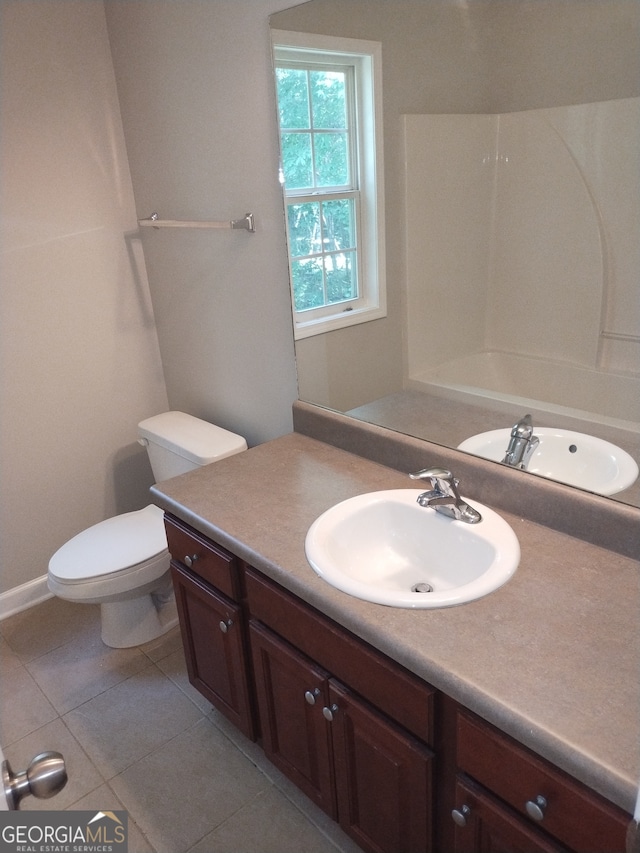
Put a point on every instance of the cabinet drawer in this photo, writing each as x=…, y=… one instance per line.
x=203, y=558
x=576, y=816
x=488, y=825
x=393, y=690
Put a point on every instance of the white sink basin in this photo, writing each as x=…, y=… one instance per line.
x=379, y=545
x=570, y=457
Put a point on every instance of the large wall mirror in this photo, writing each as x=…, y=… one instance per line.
x=512, y=230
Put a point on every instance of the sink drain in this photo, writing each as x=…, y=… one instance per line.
x=422, y=587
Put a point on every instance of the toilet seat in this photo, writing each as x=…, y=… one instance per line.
x=128, y=543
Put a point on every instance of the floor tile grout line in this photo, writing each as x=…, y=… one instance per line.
x=226, y=820
x=7, y=744
x=145, y=755
x=278, y=784
x=130, y=819
x=59, y=645
x=84, y=701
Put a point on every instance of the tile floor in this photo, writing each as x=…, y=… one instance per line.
x=136, y=736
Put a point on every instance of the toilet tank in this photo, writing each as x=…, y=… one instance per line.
x=177, y=443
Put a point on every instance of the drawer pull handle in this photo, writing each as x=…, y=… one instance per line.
x=225, y=625
x=460, y=816
x=310, y=696
x=535, y=808
x=329, y=713
x=190, y=560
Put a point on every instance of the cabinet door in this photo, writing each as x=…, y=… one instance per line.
x=383, y=778
x=212, y=635
x=490, y=828
x=291, y=692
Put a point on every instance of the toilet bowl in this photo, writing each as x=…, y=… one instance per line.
x=122, y=563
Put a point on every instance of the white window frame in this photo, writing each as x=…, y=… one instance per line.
x=366, y=58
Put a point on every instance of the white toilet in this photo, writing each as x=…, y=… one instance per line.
x=122, y=563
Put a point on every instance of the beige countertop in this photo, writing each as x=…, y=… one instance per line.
x=552, y=658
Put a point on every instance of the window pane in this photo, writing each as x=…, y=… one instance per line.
x=331, y=159
x=293, y=97
x=296, y=160
x=341, y=279
x=308, y=284
x=305, y=237
x=328, y=100
x=338, y=222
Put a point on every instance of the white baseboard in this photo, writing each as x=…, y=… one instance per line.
x=22, y=597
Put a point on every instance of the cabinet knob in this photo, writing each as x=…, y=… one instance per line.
x=190, y=560
x=310, y=696
x=225, y=625
x=535, y=808
x=461, y=815
x=329, y=712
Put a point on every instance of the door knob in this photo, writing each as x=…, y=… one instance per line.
x=225, y=625
x=329, y=712
x=45, y=776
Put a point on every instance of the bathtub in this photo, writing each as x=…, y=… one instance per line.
x=508, y=380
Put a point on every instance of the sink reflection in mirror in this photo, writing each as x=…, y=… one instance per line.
x=574, y=458
x=386, y=548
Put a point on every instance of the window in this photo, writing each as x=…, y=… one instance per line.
x=328, y=93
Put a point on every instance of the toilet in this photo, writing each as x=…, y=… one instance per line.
x=122, y=563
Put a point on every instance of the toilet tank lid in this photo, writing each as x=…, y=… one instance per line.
x=190, y=437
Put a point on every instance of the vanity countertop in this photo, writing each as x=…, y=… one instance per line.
x=551, y=658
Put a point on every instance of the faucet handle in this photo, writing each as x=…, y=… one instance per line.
x=437, y=476
x=524, y=427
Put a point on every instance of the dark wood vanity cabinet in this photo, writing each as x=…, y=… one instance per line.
x=206, y=581
x=401, y=767
x=354, y=762
x=345, y=723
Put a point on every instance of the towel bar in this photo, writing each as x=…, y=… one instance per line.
x=247, y=223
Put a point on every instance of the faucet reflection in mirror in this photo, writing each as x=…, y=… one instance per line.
x=522, y=443
x=516, y=208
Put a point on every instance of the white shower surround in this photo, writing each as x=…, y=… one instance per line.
x=539, y=385
x=523, y=257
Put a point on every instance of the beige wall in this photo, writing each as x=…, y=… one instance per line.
x=79, y=358
x=197, y=100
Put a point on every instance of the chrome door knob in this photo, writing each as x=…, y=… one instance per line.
x=535, y=808
x=45, y=776
x=190, y=560
x=225, y=625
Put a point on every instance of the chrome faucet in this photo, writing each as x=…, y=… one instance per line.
x=444, y=496
x=521, y=444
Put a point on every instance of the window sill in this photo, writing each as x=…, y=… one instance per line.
x=321, y=325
